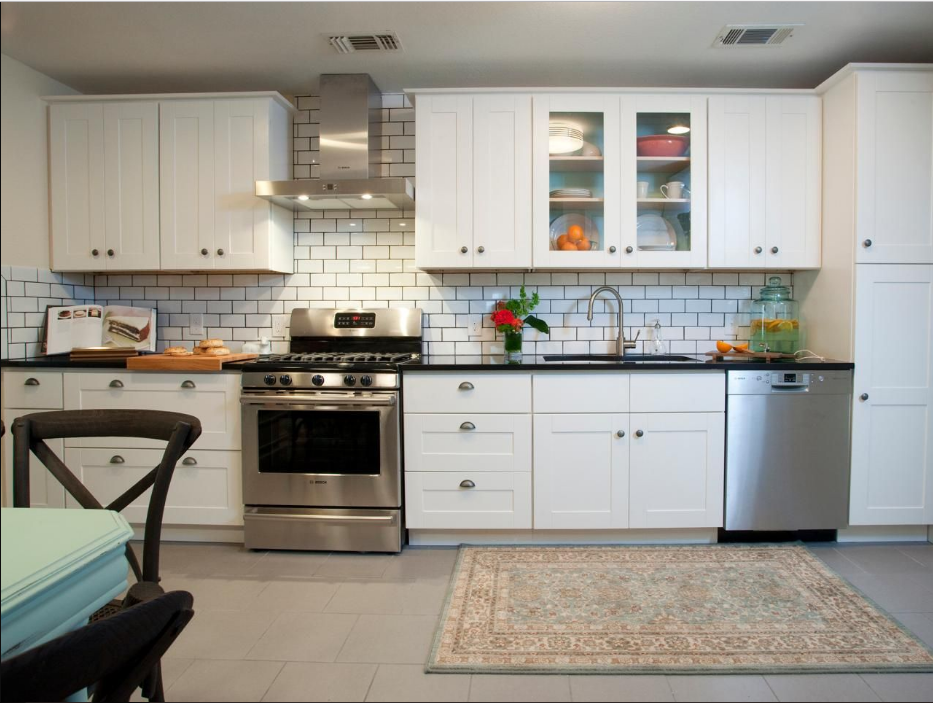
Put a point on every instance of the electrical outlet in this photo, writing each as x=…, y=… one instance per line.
x=476, y=326
x=196, y=324
x=278, y=325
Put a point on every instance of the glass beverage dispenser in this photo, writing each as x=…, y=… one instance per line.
x=775, y=320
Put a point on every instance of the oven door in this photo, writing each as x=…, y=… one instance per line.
x=326, y=449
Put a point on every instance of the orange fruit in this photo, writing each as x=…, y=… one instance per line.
x=723, y=346
x=743, y=347
x=575, y=233
x=568, y=246
x=562, y=240
x=583, y=244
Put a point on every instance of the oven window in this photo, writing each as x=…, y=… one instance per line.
x=318, y=442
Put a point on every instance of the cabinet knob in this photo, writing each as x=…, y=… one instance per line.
x=463, y=250
x=188, y=384
x=864, y=396
x=116, y=383
x=31, y=382
x=774, y=250
x=117, y=459
x=204, y=252
x=189, y=461
x=220, y=252
x=480, y=249
x=866, y=243
x=639, y=433
x=467, y=484
x=620, y=434
x=95, y=252
x=110, y=253
x=465, y=386
x=467, y=426
x=612, y=250
x=629, y=250
x=758, y=250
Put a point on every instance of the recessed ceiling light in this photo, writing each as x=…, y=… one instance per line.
x=366, y=196
x=678, y=129
x=302, y=197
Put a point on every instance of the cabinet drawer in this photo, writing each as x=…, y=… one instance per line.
x=467, y=392
x=472, y=442
x=439, y=500
x=581, y=392
x=32, y=389
x=212, y=398
x=205, y=488
x=678, y=392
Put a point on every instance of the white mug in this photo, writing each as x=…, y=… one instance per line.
x=642, y=189
x=674, y=190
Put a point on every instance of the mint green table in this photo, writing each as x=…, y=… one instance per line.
x=57, y=567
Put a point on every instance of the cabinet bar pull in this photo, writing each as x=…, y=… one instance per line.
x=188, y=384
x=117, y=459
x=31, y=382
x=116, y=383
x=467, y=426
x=189, y=461
x=467, y=484
x=639, y=433
x=465, y=386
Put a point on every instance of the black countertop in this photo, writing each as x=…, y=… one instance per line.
x=537, y=363
x=63, y=362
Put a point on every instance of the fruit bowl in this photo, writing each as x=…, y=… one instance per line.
x=663, y=145
x=574, y=224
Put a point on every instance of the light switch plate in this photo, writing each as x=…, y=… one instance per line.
x=476, y=326
x=196, y=324
x=278, y=325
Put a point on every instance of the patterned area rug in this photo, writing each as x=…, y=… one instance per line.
x=656, y=610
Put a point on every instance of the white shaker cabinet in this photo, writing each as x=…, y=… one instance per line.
x=104, y=186
x=764, y=181
x=473, y=172
x=894, y=144
x=892, y=418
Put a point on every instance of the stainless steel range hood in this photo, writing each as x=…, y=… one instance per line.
x=350, y=137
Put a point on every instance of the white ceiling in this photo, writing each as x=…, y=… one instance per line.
x=156, y=47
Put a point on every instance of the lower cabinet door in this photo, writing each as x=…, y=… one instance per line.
x=677, y=470
x=468, y=500
x=44, y=489
x=205, y=490
x=581, y=471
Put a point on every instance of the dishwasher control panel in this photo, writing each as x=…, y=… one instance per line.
x=786, y=382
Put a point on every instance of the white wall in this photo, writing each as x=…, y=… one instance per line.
x=24, y=209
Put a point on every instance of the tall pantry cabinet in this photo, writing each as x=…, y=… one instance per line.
x=873, y=299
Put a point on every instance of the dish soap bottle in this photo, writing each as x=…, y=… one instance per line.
x=656, y=345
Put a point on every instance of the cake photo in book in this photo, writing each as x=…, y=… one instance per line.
x=125, y=330
x=93, y=326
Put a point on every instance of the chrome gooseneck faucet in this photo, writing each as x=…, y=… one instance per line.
x=621, y=343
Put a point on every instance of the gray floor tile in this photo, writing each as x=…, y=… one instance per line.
x=523, y=687
x=218, y=593
x=721, y=688
x=418, y=563
x=821, y=687
x=408, y=682
x=901, y=687
x=221, y=634
x=171, y=669
x=302, y=681
x=224, y=681
x=351, y=566
x=308, y=637
x=838, y=562
x=303, y=596
x=389, y=639
x=196, y=559
x=883, y=559
x=920, y=624
x=396, y=597
x=275, y=565
x=921, y=553
x=620, y=688
x=897, y=593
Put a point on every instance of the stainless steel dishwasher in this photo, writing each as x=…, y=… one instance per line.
x=787, y=450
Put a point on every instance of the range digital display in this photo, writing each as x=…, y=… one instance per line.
x=352, y=320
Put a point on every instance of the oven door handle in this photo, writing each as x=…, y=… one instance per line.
x=387, y=519
x=319, y=401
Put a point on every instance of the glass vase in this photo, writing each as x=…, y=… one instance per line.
x=513, y=345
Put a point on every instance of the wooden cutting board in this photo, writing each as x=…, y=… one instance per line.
x=194, y=362
x=747, y=356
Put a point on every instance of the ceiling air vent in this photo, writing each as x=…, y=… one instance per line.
x=734, y=35
x=350, y=43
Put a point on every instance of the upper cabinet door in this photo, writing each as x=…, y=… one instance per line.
x=793, y=181
x=892, y=417
x=444, y=174
x=131, y=185
x=577, y=190
x=894, y=217
x=501, y=181
x=241, y=157
x=186, y=149
x=664, y=181
x=738, y=139
x=76, y=155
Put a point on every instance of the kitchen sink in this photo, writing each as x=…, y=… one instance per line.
x=612, y=358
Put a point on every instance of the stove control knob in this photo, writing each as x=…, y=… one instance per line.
x=349, y=380
x=317, y=379
x=285, y=380
x=269, y=379
x=366, y=380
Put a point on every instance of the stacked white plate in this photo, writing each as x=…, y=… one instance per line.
x=571, y=193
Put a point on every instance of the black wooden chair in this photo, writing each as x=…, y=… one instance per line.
x=178, y=430
x=114, y=655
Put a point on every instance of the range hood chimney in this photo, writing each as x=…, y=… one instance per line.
x=350, y=137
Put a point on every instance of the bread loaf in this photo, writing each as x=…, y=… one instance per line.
x=216, y=351
x=177, y=351
x=211, y=343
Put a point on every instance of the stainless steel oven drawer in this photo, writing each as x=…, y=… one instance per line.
x=323, y=529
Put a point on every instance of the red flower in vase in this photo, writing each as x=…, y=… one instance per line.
x=505, y=317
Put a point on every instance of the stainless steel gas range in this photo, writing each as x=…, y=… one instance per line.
x=321, y=435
